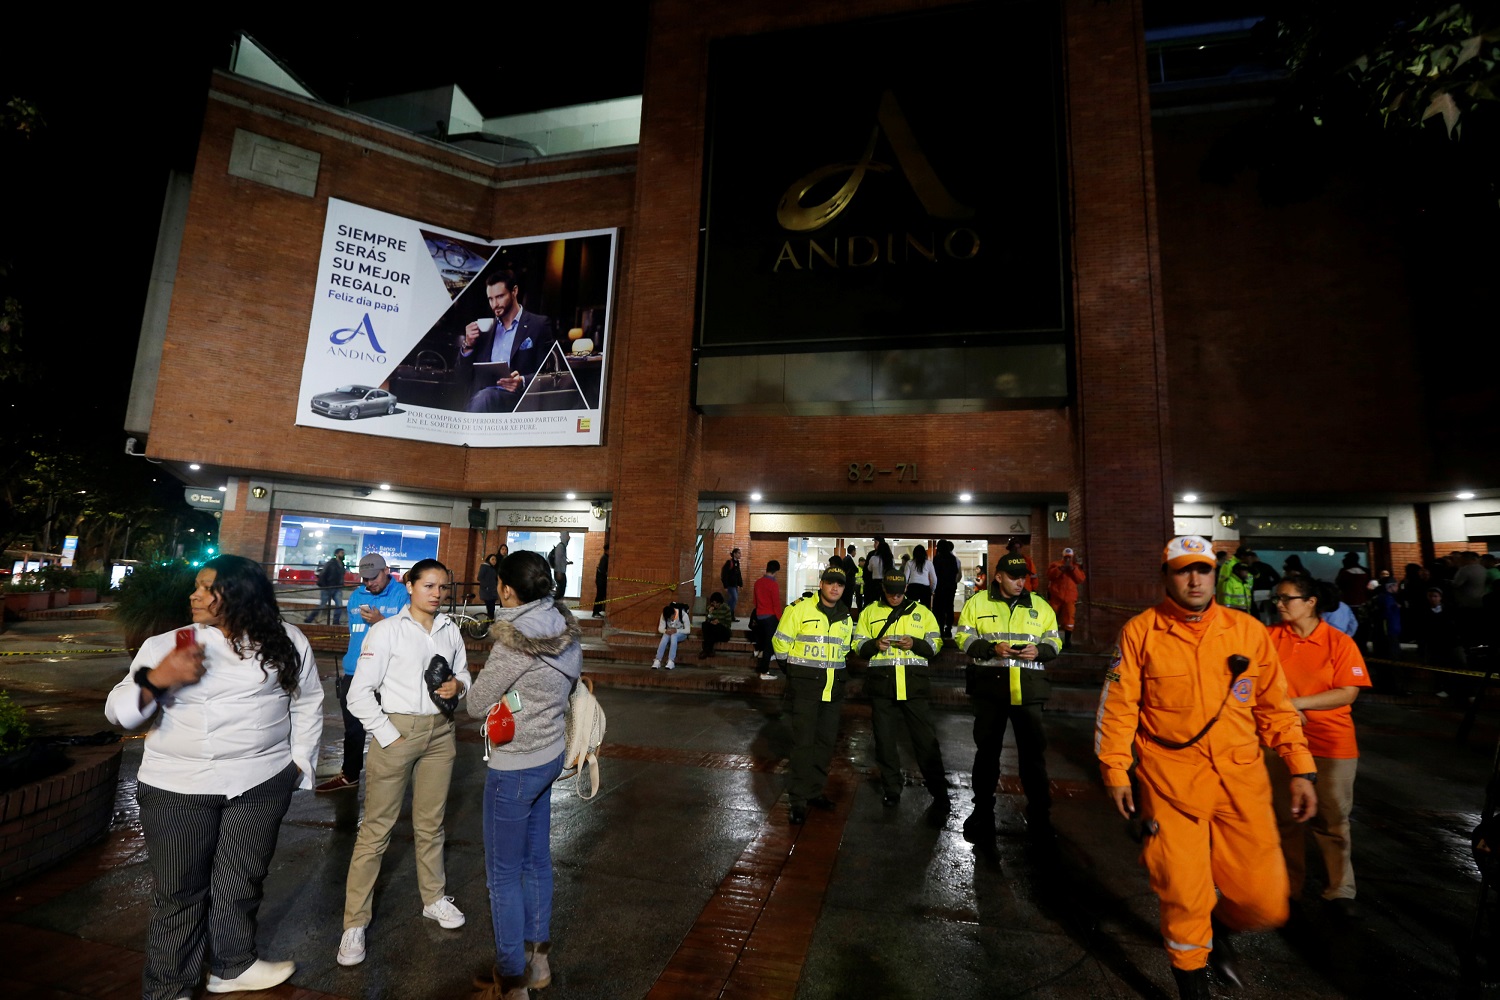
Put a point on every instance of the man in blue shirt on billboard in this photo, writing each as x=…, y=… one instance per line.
x=376, y=598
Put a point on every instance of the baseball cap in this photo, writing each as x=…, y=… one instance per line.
x=1185, y=550
x=894, y=583
x=370, y=565
x=1067, y=552
x=833, y=576
x=1013, y=566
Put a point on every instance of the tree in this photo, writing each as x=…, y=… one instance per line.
x=1408, y=65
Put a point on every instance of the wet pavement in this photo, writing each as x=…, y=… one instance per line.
x=683, y=879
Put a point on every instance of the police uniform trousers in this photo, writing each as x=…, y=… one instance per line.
x=1232, y=847
x=914, y=713
x=989, y=695
x=815, y=728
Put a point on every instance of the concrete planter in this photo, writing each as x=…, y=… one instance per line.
x=34, y=601
x=48, y=820
x=57, y=598
x=82, y=595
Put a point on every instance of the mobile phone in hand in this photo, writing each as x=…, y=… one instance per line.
x=185, y=638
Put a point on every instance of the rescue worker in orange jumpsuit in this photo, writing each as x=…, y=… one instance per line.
x=1063, y=578
x=1192, y=693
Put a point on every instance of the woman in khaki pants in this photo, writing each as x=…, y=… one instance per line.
x=413, y=743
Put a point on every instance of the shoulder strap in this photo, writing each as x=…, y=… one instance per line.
x=891, y=619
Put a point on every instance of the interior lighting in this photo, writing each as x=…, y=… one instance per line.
x=1466, y=495
x=965, y=497
x=385, y=486
x=755, y=496
x=1190, y=498
x=1324, y=550
x=195, y=466
x=572, y=496
x=223, y=489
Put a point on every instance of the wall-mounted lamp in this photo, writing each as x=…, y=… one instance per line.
x=1227, y=519
x=1059, y=516
x=259, y=492
x=723, y=511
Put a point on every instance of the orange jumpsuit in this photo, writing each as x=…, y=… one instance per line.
x=1211, y=801
x=1062, y=591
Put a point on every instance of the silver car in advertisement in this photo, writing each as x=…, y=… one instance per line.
x=350, y=402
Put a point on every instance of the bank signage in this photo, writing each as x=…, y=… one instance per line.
x=888, y=183
x=545, y=520
x=1291, y=526
x=203, y=499
x=426, y=334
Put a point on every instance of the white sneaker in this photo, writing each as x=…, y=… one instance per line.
x=768, y=677
x=671, y=664
x=261, y=975
x=448, y=916
x=656, y=664
x=352, y=946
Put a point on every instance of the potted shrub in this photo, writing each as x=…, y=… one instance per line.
x=25, y=593
x=87, y=588
x=153, y=599
x=56, y=582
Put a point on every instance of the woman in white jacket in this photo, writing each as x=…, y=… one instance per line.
x=413, y=743
x=237, y=709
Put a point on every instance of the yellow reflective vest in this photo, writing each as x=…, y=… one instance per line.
x=806, y=637
x=918, y=622
x=1032, y=621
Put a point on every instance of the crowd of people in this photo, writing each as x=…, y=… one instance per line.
x=234, y=709
x=1224, y=730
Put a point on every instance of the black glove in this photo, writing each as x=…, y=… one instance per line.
x=437, y=674
x=981, y=650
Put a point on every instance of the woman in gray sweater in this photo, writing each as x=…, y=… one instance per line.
x=537, y=655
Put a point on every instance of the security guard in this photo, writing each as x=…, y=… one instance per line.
x=899, y=637
x=1192, y=693
x=1010, y=633
x=813, y=637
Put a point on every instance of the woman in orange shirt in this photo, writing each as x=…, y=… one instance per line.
x=1324, y=672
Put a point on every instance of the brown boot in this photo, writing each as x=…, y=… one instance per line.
x=514, y=988
x=538, y=970
x=487, y=985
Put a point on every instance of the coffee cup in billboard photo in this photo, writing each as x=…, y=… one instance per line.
x=486, y=324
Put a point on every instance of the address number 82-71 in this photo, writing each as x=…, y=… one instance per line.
x=865, y=472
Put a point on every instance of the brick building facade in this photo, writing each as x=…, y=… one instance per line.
x=1179, y=352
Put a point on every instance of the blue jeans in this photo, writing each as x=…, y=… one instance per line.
x=518, y=859
x=668, y=645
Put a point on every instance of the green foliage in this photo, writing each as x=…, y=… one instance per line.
x=95, y=580
x=14, y=732
x=154, y=599
x=1402, y=62
x=24, y=583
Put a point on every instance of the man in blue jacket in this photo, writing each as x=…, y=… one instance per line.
x=375, y=598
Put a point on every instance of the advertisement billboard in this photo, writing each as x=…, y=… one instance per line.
x=426, y=334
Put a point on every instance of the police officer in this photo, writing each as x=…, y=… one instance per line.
x=812, y=638
x=1009, y=633
x=1193, y=692
x=899, y=637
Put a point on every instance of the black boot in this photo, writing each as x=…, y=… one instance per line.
x=1223, y=958
x=1191, y=985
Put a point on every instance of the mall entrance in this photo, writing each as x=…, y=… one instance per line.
x=807, y=556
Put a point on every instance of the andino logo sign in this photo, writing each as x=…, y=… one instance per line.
x=343, y=348
x=853, y=251
x=800, y=218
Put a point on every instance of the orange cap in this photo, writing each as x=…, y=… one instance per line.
x=1185, y=550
